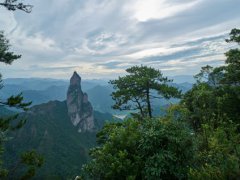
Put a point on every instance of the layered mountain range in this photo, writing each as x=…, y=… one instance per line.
x=62, y=123
x=40, y=91
x=62, y=131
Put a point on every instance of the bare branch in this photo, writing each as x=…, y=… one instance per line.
x=12, y=6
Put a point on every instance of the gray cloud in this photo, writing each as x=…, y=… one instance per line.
x=101, y=38
x=176, y=55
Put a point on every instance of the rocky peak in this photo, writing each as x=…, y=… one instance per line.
x=80, y=109
x=75, y=79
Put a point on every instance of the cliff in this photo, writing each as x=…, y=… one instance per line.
x=79, y=108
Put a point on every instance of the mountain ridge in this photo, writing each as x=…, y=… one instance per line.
x=52, y=132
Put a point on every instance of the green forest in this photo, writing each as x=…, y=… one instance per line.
x=196, y=137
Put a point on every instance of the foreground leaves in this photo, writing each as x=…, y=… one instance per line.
x=138, y=150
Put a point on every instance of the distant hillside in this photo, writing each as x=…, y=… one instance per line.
x=40, y=90
x=5, y=112
x=100, y=96
x=44, y=83
x=183, y=79
x=98, y=91
x=49, y=130
x=35, y=83
x=184, y=87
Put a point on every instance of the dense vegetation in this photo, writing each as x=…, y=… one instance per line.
x=28, y=161
x=197, y=139
x=50, y=132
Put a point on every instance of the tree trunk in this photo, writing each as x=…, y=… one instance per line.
x=148, y=101
x=140, y=108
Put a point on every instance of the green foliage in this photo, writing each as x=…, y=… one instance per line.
x=27, y=164
x=210, y=75
x=32, y=158
x=166, y=148
x=234, y=36
x=213, y=106
x=136, y=90
x=218, y=152
x=155, y=149
x=6, y=123
x=116, y=158
x=5, y=55
x=13, y=122
x=208, y=103
x=231, y=72
x=49, y=131
x=217, y=92
x=8, y=57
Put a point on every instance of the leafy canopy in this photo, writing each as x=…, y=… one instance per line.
x=142, y=150
x=198, y=139
x=31, y=159
x=136, y=90
x=213, y=106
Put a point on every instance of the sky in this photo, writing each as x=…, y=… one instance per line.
x=101, y=38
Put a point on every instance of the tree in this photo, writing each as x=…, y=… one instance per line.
x=156, y=149
x=234, y=36
x=209, y=75
x=232, y=68
x=213, y=113
x=217, y=152
x=198, y=139
x=217, y=91
x=12, y=5
x=8, y=57
x=5, y=55
x=136, y=90
x=31, y=159
x=28, y=163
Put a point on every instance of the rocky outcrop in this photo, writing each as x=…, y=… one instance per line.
x=80, y=109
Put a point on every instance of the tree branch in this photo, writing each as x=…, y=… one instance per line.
x=9, y=4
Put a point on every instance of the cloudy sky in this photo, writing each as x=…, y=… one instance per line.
x=101, y=38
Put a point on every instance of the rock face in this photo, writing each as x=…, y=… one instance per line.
x=80, y=109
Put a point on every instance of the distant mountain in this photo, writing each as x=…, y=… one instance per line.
x=11, y=89
x=44, y=83
x=100, y=96
x=98, y=91
x=80, y=110
x=35, y=83
x=40, y=90
x=183, y=78
x=50, y=131
x=4, y=112
x=184, y=87
x=36, y=96
x=62, y=132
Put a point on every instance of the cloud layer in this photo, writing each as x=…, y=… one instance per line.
x=101, y=38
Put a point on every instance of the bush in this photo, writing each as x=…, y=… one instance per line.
x=152, y=149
